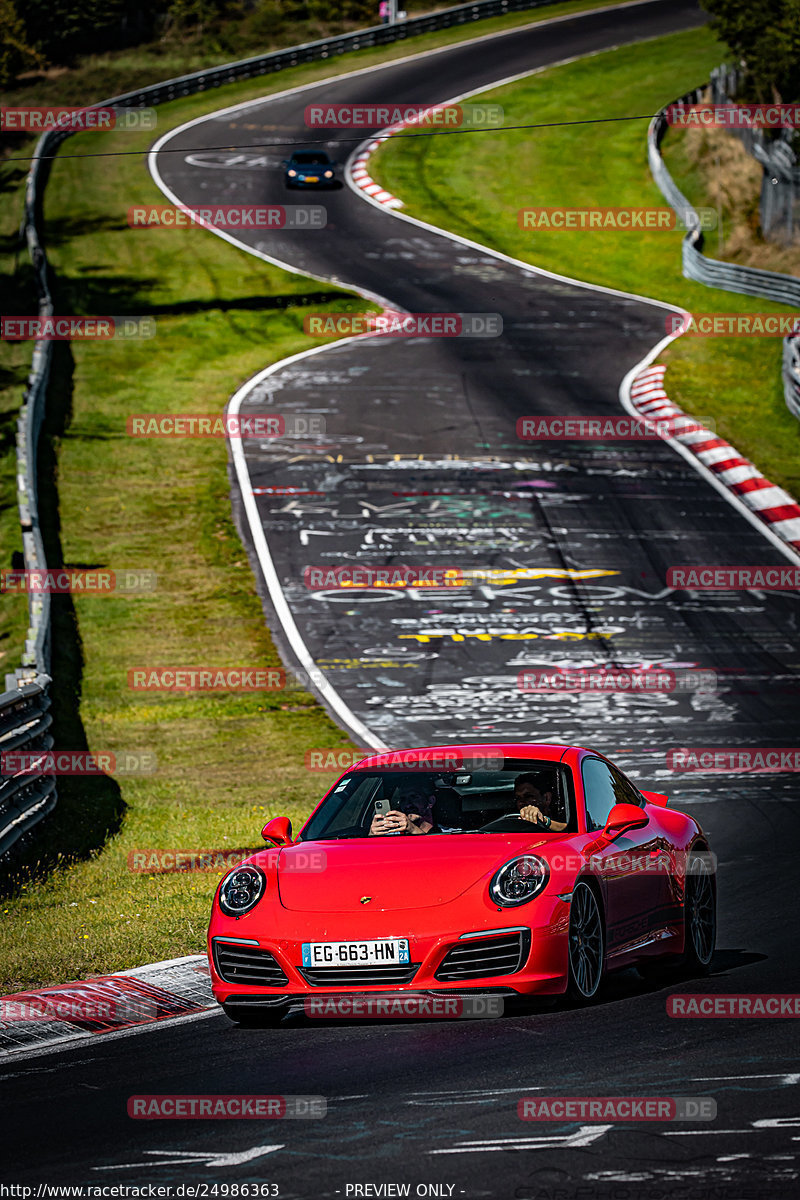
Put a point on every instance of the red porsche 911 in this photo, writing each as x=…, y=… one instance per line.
x=518, y=870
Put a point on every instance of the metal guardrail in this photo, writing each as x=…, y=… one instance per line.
x=36, y=659
x=24, y=725
x=791, y=374
x=731, y=277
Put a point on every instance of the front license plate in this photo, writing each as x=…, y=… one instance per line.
x=312, y=178
x=388, y=952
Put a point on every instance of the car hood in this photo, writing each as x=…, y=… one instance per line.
x=395, y=872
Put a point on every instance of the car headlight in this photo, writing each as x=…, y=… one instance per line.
x=291, y=173
x=241, y=890
x=519, y=880
x=329, y=174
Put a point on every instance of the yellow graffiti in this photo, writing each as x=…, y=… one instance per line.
x=556, y=635
x=505, y=576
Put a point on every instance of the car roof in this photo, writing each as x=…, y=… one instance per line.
x=549, y=751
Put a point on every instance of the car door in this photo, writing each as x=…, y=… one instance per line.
x=634, y=888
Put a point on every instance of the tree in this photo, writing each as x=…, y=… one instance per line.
x=766, y=38
x=16, y=53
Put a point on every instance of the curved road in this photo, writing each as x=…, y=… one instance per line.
x=434, y=1103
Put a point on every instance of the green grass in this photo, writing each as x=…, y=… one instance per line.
x=463, y=183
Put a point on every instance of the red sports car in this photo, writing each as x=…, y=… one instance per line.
x=517, y=870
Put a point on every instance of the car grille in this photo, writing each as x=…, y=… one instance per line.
x=478, y=958
x=237, y=963
x=356, y=976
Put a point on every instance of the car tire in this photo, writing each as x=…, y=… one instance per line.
x=699, y=928
x=699, y=916
x=586, y=944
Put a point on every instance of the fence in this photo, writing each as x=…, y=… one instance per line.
x=779, y=204
x=24, y=725
x=36, y=659
x=731, y=277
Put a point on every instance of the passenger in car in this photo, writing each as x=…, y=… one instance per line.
x=411, y=812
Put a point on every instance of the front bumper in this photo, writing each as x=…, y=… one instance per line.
x=439, y=958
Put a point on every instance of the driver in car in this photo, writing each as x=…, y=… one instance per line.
x=535, y=805
x=411, y=812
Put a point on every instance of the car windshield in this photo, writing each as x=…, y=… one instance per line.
x=445, y=802
x=311, y=158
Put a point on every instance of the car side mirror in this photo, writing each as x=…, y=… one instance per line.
x=623, y=817
x=656, y=798
x=279, y=831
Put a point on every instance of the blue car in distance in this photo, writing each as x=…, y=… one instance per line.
x=310, y=168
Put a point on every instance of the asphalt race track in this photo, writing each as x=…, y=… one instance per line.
x=420, y=464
